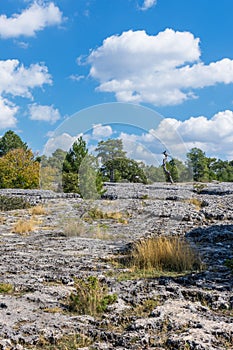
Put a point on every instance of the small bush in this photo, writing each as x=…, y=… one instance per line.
x=164, y=254
x=97, y=214
x=24, y=226
x=67, y=342
x=6, y=288
x=13, y=203
x=229, y=264
x=196, y=202
x=199, y=187
x=73, y=228
x=91, y=297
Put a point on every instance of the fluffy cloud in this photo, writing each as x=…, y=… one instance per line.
x=101, y=131
x=7, y=114
x=163, y=69
x=63, y=141
x=17, y=80
x=36, y=17
x=44, y=113
x=147, y=4
x=214, y=136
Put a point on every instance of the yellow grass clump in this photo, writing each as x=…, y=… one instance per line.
x=165, y=254
x=24, y=226
x=196, y=202
x=38, y=210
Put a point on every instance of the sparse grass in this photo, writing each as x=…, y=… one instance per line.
x=229, y=264
x=12, y=203
x=2, y=220
x=145, y=196
x=6, y=288
x=199, y=187
x=164, y=254
x=134, y=273
x=144, y=309
x=23, y=226
x=53, y=310
x=196, y=202
x=74, y=227
x=91, y=297
x=97, y=214
x=38, y=210
x=67, y=342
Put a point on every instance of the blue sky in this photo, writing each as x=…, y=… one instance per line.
x=174, y=57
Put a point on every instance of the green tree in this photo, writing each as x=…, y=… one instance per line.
x=57, y=159
x=153, y=174
x=110, y=149
x=51, y=170
x=223, y=170
x=198, y=164
x=18, y=169
x=90, y=178
x=80, y=171
x=123, y=169
x=178, y=170
x=11, y=141
x=172, y=167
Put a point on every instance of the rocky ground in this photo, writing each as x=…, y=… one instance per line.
x=70, y=239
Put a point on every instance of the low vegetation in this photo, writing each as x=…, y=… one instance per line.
x=164, y=254
x=6, y=288
x=12, y=203
x=90, y=298
x=24, y=226
x=38, y=210
x=97, y=214
x=67, y=342
x=229, y=264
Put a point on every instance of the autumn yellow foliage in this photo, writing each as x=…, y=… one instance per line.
x=18, y=169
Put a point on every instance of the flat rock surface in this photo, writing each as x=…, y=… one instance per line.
x=70, y=239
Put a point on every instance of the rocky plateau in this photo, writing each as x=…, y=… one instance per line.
x=70, y=240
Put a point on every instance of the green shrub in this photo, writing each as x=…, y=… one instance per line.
x=13, y=203
x=91, y=297
x=6, y=288
x=229, y=264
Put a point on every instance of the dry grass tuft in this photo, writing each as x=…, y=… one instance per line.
x=74, y=227
x=2, y=220
x=38, y=210
x=165, y=254
x=196, y=202
x=23, y=226
x=97, y=214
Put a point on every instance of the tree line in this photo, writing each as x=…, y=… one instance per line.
x=80, y=171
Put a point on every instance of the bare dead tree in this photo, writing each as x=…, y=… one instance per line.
x=166, y=171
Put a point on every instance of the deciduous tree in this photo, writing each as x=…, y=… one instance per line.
x=18, y=169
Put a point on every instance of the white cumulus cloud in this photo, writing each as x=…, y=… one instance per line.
x=36, y=17
x=44, y=113
x=7, y=114
x=162, y=69
x=147, y=4
x=99, y=131
x=18, y=80
x=214, y=135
